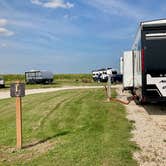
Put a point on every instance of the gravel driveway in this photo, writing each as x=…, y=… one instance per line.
x=149, y=132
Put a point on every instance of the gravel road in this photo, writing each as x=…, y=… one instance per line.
x=149, y=132
x=6, y=94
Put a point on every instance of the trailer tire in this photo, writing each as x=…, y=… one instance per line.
x=140, y=100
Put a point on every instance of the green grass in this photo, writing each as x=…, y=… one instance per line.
x=66, y=128
x=73, y=77
x=59, y=81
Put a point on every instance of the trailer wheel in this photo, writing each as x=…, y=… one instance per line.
x=140, y=100
x=136, y=99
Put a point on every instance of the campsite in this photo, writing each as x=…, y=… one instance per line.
x=82, y=83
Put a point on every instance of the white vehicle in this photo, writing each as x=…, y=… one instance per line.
x=127, y=70
x=2, y=82
x=149, y=62
x=37, y=76
x=95, y=75
x=101, y=75
x=111, y=71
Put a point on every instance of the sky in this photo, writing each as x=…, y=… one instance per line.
x=70, y=36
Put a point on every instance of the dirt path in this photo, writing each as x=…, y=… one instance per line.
x=149, y=132
x=6, y=94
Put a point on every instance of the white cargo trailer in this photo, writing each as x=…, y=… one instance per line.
x=149, y=62
x=127, y=70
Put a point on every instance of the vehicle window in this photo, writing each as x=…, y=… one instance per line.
x=114, y=72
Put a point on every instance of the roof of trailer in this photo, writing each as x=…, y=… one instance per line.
x=33, y=71
x=153, y=23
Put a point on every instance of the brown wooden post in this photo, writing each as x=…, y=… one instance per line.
x=18, y=119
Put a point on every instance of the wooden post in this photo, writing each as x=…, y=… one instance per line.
x=109, y=87
x=19, y=121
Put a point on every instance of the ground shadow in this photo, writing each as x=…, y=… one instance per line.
x=156, y=109
x=46, y=139
x=6, y=87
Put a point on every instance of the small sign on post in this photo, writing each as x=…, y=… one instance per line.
x=18, y=90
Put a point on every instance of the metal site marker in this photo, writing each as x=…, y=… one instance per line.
x=18, y=90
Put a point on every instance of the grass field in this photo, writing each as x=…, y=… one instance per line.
x=13, y=77
x=59, y=80
x=67, y=128
x=58, y=77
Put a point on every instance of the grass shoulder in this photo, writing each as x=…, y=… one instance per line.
x=74, y=127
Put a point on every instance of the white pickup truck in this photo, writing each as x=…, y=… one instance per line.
x=2, y=82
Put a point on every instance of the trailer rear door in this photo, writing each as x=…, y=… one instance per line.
x=155, y=52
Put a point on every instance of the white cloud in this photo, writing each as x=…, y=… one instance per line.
x=6, y=32
x=3, y=22
x=54, y=4
x=58, y=4
x=118, y=7
x=69, y=17
x=3, y=45
x=37, y=2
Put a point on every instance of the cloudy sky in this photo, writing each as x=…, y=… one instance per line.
x=70, y=36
